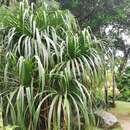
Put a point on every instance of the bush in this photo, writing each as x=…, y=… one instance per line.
x=52, y=66
x=123, y=83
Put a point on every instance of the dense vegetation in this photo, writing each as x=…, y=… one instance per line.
x=109, y=19
x=50, y=68
x=58, y=66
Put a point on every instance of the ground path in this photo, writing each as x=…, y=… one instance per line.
x=125, y=123
x=122, y=112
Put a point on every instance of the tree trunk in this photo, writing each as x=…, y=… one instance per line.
x=113, y=92
x=113, y=79
x=106, y=97
x=124, y=62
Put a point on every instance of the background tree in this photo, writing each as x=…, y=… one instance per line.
x=99, y=15
x=102, y=15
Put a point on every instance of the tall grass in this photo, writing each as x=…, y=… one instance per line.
x=52, y=67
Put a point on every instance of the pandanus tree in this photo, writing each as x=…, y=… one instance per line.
x=53, y=68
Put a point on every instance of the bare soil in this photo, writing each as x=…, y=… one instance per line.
x=124, y=121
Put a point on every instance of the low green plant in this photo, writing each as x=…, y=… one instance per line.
x=123, y=83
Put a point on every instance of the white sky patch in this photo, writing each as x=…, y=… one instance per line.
x=126, y=38
x=124, y=35
x=108, y=29
x=119, y=53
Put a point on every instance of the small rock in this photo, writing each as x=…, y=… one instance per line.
x=107, y=120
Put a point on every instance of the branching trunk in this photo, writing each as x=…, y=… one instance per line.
x=124, y=62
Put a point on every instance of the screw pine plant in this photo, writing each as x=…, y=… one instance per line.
x=56, y=65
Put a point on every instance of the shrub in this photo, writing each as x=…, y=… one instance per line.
x=53, y=67
x=123, y=83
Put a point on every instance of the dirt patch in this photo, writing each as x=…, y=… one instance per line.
x=124, y=122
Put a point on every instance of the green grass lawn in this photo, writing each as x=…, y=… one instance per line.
x=103, y=129
x=94, y=128
x=121, y=107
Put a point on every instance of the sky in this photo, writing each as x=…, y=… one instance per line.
x=125, y=36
